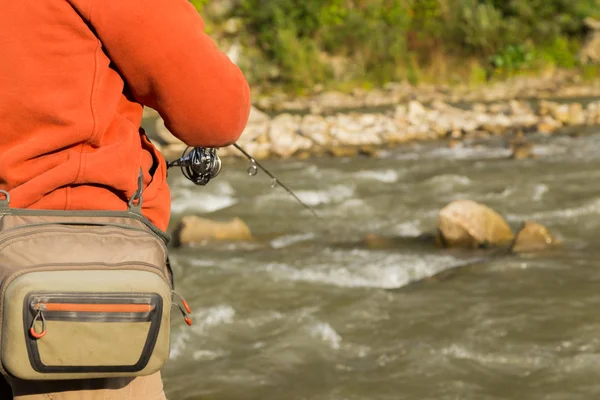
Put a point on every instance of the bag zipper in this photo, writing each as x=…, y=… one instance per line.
x=66, y=308
x=94, y=308
x=87, y=266
x=94, y=267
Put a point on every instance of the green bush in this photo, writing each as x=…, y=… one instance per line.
x=560, y=52
x=383, y=40
x=512, y=58
x=477, y=27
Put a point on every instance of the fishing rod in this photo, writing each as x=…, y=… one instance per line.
x=201, y=164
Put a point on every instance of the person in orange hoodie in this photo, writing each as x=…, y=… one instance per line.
x=74, y=78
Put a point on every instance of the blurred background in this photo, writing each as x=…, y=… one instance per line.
x=344, y=44
x=451, y=149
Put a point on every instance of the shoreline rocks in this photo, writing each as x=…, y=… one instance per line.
x=556, y=85
x=348, y=134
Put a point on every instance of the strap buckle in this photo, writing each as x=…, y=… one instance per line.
x=137, y=207
x=4, y=202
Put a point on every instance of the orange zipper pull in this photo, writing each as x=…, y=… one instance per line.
x=187, y=308
x=187, y=311
x=185, y=304
x=38, y=315
x=186, y=317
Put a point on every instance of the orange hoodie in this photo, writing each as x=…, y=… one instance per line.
x=74, y=77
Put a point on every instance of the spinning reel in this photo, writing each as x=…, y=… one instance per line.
x=199, y=165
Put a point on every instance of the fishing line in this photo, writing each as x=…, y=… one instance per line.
x=252, y=171
x=201, y=164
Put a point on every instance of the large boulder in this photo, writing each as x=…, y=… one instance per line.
x=466, y=223
x=193, y=229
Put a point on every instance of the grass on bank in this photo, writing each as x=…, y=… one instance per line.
x=297, y=45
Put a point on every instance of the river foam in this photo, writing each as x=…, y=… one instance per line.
x=366, y=269
x=204, y=320
x=385, y=176
x=189, y=200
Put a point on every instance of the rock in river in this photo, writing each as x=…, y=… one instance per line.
x=533, y=237
x=466, y=223
x=193, y=229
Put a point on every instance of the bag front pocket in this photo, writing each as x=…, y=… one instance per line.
x=91, y=332
x=85, y=323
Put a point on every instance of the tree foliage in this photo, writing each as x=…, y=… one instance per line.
x=383, y=40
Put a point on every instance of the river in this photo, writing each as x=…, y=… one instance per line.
x=303, y=313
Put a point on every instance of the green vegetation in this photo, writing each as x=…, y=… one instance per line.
x=297, y=44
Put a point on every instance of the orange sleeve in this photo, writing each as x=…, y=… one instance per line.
x=171, y=65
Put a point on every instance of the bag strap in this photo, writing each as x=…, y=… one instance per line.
x=134, y=210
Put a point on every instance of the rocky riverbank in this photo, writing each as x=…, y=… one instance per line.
x=561, y=84
x=349, y=133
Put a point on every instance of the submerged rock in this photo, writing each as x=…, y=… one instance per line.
x=521, y=148
x=522, y=151
x=533, y=237
x=193, y=230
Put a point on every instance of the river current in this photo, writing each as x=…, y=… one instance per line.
x=307, y=312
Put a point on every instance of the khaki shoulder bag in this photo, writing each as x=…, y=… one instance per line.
x=83, y=294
